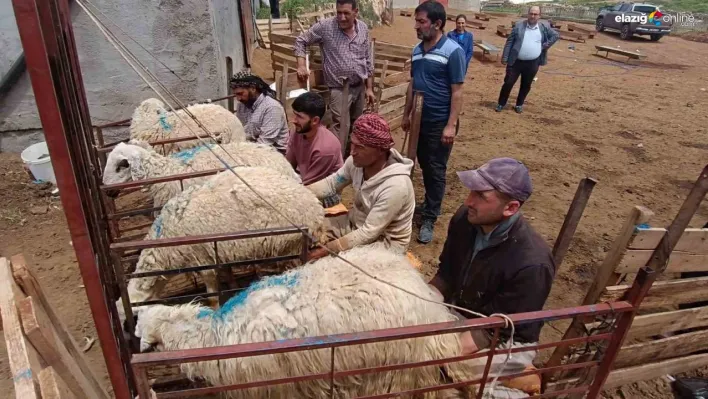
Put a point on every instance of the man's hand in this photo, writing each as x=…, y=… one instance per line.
x=370, y=97
x=303, y=73
x=316, y=254
x=406, y=123
x=448, y=135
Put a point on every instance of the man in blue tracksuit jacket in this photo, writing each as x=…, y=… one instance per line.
x=463, y=38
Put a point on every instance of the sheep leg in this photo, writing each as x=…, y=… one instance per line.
x=212, y=285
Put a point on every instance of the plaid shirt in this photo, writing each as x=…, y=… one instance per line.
x=265, y=122
x=341, y=56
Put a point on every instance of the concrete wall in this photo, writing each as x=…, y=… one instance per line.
x=180, y=33
x=10, y=47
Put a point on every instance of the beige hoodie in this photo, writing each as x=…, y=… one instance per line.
x=383, y=205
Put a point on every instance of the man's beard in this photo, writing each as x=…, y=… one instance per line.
x=305, y=128
x=251, y=100
x=426, y=36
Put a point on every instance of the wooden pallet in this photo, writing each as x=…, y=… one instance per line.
x=503, y=31
x=572, y=36
x=481, y=17
x=590, y=33
x=44, y=359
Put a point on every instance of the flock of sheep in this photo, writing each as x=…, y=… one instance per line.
x=319, y=298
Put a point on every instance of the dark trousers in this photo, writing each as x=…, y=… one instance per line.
x=275, y=8
x=432, y=156
x=527, y=70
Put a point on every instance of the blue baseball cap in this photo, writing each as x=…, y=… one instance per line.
x=506, y=175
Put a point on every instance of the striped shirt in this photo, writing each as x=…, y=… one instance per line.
x=264, y=122
x=433, y=73
x=341, y=56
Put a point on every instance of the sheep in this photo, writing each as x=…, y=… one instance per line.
x=222, y=205
x=137, y=160
x=323, y=297
x=152, y=121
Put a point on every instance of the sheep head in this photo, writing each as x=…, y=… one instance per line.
x=163, y=327
x=149, y=108
x=124, y=164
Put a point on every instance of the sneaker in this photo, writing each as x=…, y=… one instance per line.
x=499, y=108
x=518, y=109
x=426, y=232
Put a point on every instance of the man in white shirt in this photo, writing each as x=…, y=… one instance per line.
x=524, y=51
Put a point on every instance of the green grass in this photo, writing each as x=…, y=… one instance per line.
x=697, y=6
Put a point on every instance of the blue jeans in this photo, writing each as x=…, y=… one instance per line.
x=432, y=156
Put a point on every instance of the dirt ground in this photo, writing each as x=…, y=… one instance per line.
x=641, y=131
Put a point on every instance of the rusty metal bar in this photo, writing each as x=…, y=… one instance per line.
x=47, y=38
x=488, y=365
x=143, y=385
x=135, y=212
x=124, y=121
x=162, y=179
x=580, y=389
x=136, y=227
x=194, y=269
x=331, y=374
x=184, y=298
x=109, y=148
x=648, y=274
x=261, y=348
x=572, y=219
x=173, y=242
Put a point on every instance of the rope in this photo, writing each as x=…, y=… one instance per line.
x=130, y=58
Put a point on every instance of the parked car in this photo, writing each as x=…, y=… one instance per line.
x=634, y=19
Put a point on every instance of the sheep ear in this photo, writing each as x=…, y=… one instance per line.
x=123, y=164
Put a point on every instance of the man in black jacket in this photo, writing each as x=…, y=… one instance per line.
x=493, y=261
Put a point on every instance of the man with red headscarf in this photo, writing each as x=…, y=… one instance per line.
x=383, y=193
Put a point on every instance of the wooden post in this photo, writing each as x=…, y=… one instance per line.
x=247, y=30
x=344, y=116
x=572, y=218
x=52, y=386
x=415, y=125
x=380, y=85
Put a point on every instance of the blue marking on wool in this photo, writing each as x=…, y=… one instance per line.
x=163, y=122
x=25, y=374
x=286, y=280
x=204, y=313
x=642, y=226
x=157, y=224
x=186, y=155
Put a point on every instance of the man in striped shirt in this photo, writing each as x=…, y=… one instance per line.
x=346, y=52
x=438, y=70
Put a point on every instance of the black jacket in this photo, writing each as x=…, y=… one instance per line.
x=511, y=276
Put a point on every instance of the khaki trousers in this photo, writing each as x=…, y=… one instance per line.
x=356, y=102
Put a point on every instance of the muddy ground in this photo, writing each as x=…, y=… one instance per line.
x=641, y=131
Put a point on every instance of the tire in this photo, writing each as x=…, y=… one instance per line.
x=625, y=33
x=599, y=25
x=655, y=38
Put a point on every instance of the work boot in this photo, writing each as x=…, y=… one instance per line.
x=425, y=235
x=518, y=109
x=499, y=108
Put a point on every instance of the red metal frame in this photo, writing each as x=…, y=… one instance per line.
x=142, y=362
x=53, y=64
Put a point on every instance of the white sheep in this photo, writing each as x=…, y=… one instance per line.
x=138, y=161
x=152, y=121
x=222, y=205
x=319, y=298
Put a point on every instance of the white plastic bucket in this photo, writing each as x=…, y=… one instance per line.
x=36, y=157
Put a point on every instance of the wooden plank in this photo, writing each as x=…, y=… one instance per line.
x=572, y=36
x=675, y=346
x=24, y=362
x=393, y=49
x=282, y=39
x=31, y=287
x=655, y=370
x=40, y=333
x=392, y=105
x=414, y=133
x=393, y=114
x=503, y=30
x=399, y=90
x=634, y=259
x=275, y=21
x=661, y=323
x=476, y=24
x=665, y=293
x=693, y=241
x=52, y=386
x=626, y=53
x=395, y=123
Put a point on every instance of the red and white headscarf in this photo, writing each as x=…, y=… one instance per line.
x=373, y=131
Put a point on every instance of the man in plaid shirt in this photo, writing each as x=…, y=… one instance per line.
x=345, y=47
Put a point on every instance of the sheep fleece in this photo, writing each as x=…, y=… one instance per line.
x=320, y=298
x=224, y=205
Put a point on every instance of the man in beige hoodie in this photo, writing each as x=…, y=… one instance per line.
x=384, y=200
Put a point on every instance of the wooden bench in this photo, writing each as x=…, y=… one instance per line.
x=503, y=30
x=487, y=48
x=670, y=330
x=590, y=33
x=476, y=24
x=626, y=53
x=406, y=13
x=481, y=17
x=572, y=36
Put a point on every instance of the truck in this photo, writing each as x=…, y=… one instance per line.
x=634, y=19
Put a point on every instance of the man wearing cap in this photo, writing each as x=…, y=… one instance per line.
x=383, y=192
x=493, y=261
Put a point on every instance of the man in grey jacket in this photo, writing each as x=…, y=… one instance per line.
x=525, y=50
